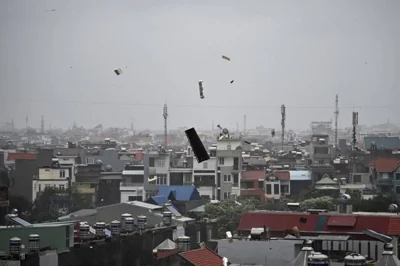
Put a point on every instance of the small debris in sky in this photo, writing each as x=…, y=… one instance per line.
x=201, y=89
x=50, y=10
x=232, y=81
x=118, y=71
x=226, y=58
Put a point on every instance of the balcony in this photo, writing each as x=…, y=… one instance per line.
x=180, y=170
x=384, y=182
x=130, y=186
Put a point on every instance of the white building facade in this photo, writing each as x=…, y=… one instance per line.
x=57, y=178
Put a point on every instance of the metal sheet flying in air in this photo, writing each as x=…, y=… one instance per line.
x=118, y=71
x=20, y=221
x=226, y=58
x=201, y=89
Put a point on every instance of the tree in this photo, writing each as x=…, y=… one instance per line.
x=228, y=213
x=318, y=203
x=48, y=203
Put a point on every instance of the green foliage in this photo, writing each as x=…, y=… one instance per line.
x=318, y=203
x=229, y=213
x=306, y=194
x=47, y=204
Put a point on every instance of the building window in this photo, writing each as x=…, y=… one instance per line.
x=221, y=161
x=205, y=165
x=397, y=189
x=62, y=173
x=209, y=237
x=229, y=147
x=160, y=163
x=276, y=189
x=89, y=160
x=227, y=178
x=188, y=179
x=357, y=178
x=62, y=187
x=269, y=189
x=162, y=180
x=235, y=180
x=227, y=195
x=151, y=162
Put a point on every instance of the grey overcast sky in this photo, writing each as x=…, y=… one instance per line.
x=298, y=53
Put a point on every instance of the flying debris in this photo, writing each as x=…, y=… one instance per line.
x=201, y=89
x=197, y=146
x=50, y=10
x=226, y=58
x=232, y=81
x=273, y=133
x=118, y=71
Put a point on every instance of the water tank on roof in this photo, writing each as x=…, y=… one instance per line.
x=318, y=259
x=183, y=243
x=142, y=222
x=34, y=243
x=15, y=246
x=115, y=228
x=355, y=260
x=84, y=232
x=167, y=218
x=129, y=224
x=100, y=229
x=123, y=217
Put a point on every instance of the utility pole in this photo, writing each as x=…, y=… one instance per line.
x=336, y=120
x=165, y=115
x=355, y=123
x=283, y=113
x=26, y=122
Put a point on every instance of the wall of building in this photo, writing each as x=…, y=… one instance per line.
x=53, y=173
x=62, y=242
x=22, y=178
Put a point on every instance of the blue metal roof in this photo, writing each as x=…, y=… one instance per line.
x=181, y=193
x=159, y=200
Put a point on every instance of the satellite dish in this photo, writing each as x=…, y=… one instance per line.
x=99, y=162
x=393, y=207
x=344, y=198
x=108, y=168
x=225, y=131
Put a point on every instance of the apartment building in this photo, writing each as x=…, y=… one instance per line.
x=204, y=175
x=156, y=171
x=320, y=154
x=132, y=185
x=54, y=177
x=229, y=167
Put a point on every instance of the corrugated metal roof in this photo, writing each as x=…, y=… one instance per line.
x=181, y=193
x=202, y=257
x=21, y=156
x=253, y=175
x=384, y=165
x=394, y=226
x=348, y=221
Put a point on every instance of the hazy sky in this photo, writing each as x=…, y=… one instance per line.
x=298, y=53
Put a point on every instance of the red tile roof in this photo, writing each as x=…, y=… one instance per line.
x=253, y=174
x=21, y=156
x=281, y=221
x=282, y=175
x=202, y=257
x=384, y=165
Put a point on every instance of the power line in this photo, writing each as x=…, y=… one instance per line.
x=60, y=101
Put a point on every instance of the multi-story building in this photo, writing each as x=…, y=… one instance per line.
x=204, y=175
x=156, y=171
x=54, y=177
x=229, y=167
x=320, y=155
x=132, y=185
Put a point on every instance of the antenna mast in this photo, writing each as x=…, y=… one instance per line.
x=336, y=120
x=244, y=124
x=42, y=125
x=283, y=113
x=165, y=115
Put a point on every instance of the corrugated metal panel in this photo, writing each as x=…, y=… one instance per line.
x=345, y=221
x=394, y=226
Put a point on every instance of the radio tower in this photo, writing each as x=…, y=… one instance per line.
x=26, y=122
x=283, y=113
x=42, y=125
x=165, y=115
x=244, y=124
x=336, y=120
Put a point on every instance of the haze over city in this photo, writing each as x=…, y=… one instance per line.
x=299, y=53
